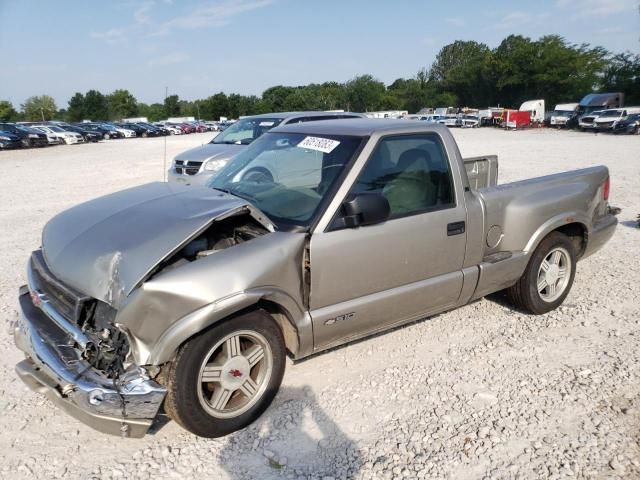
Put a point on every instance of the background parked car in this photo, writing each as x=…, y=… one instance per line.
x=88, y=135
x=8, y=140
x=587, y=122
x=28, y=136
x=630, y=125
x=609, y=118
x=60, y=134
x=105, y=130
x=52, y=138
x=126, y=132
x=139, y=130
x=197, y=165
x=161, y=131
x=171, y=129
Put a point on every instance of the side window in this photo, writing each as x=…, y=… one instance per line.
x=411, y=171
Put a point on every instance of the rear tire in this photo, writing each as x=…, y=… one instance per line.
x=224, y=378
x=548, y=277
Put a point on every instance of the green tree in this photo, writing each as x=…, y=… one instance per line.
x=7, y=112
x=462, y=68
x=41, y=107
x=276, y=97
x=122, y=104
x=622, y=74
x=548, y=68
x=215, y=106
x=172, y=106
x=153, y=112
x=76, y=110
x=96, y=106
x=364, y=93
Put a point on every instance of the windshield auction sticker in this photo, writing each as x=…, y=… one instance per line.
x=325, y=145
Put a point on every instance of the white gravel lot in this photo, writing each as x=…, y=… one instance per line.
x=480, y=392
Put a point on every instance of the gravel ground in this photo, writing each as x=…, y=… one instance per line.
x=480, y=392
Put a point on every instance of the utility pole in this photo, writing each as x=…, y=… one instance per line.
x=42, y=113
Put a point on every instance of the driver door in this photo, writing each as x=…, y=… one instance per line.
x=369, y=278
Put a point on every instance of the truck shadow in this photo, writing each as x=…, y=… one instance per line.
x=294, y=437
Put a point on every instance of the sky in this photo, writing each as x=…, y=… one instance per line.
x=199, y=47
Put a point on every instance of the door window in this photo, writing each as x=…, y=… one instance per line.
x=411, y=172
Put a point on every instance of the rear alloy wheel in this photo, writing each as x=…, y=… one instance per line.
x=106, y=136
x=224, y=378
x=548, y=277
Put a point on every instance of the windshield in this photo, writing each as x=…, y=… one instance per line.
x=28, y=129
x=56, y=129
x=287, y=175
x=562, y=113
x=611, y=113
x=245, y=131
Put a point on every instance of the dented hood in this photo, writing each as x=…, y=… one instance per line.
x=107, y=246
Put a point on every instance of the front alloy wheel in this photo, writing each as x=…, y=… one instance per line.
x=225, y=377
x=234, y=374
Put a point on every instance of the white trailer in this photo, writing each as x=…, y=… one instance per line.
x=536, y=108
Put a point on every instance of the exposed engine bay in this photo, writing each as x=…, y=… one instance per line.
x=110, y=346
x=220, y=235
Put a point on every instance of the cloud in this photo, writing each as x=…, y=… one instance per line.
x=514, y=19
x=456, y=21
x=213, y=14
x=169, y=59
x=142, y=14
x=598, y=8
x=111, y=37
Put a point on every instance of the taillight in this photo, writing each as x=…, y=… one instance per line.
x=605, y=189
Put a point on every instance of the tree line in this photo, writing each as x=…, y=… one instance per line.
x=464, y=73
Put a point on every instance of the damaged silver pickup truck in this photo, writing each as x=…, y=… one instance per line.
x=317, y=234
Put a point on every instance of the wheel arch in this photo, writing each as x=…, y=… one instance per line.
x=578, y=234
x=572, y=224
x=293, y=322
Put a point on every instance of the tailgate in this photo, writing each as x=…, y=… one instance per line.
x=482, y=171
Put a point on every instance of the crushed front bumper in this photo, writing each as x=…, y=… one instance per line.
x=55, y=368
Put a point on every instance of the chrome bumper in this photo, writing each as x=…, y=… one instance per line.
x=54, y=367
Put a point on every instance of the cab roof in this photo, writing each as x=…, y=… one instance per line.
x=313, y=113
x=358, y=127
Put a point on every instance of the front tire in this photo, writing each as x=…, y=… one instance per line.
x=548, y=277
x=106, y=136
x=224, y=378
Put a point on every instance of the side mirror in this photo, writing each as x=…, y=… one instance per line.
x=363, y=209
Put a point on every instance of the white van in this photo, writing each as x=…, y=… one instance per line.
x=562, y=114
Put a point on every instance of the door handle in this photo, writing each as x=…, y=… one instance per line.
x=455, y=228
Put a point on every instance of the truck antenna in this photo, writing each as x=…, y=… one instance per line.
x=164, y=172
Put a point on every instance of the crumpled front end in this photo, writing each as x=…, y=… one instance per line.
x=81, y=370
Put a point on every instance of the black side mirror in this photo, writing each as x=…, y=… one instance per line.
x=363, y=209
